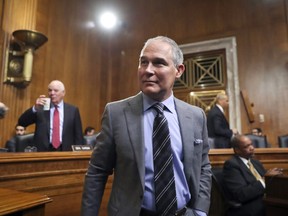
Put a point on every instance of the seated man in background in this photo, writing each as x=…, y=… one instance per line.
x=89, y=131
x=244, y=178
x=257, y=131
x=58, y=125
x=90, y=136
x=11, y=144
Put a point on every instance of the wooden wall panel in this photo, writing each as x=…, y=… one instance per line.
x=98, y=66
x=16, y=15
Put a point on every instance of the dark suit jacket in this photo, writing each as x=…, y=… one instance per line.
x=120, y=149
x=243, y=187
x=218, y=128
x=71, y=133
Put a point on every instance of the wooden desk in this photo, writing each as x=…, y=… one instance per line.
x=60, y=175
x=276, y=199
x=28, y=204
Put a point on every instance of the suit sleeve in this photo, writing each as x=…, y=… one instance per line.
x=220, y=126
x=78, y=136
x=27, y=118
x=203, y=201
x=100, y=167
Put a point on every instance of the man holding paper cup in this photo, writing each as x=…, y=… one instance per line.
x=58, y=124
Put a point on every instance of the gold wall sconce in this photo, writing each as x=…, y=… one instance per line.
x=19, y=60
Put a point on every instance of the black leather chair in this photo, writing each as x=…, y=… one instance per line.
x=283, y=141
x=25, y=143
x=258, y=141
x=219, y=198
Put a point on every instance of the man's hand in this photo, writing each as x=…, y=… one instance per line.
x=40, y=102
x=274, y=171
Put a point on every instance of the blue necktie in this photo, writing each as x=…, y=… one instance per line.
x=165, y=192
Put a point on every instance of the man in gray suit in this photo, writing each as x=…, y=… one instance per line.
x=124, y=146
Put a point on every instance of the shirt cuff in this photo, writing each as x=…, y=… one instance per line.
x=200, y=213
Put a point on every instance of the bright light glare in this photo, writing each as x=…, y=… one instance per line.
x=108, y=20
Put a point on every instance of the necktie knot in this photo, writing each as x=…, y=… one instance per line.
x=159, y=107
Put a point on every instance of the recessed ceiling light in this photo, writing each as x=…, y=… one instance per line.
x=108, y=20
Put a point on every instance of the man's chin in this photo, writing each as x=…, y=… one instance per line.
x=151, y=93
x=149, y=90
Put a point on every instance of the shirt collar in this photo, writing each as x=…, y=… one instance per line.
x=220, y=107
x=169, y=103
x=245, y=161
x=60, y=105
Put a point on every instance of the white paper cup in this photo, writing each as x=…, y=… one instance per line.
x=47, y=104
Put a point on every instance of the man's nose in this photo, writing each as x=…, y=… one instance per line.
x=150, y=68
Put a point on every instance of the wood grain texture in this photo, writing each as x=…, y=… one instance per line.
x=28, y=204
x=60, y=175
x=98, y=66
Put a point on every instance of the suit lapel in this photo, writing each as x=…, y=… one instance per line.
x=47, y=120
x=258, y=168
x=187, y=134
x=134, y=119
x=45, y=132
x=65, y=115
x=245, y=169
x=222, y=114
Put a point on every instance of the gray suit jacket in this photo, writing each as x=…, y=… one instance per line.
x=120, y=149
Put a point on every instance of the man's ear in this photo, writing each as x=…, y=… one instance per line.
x=180, y=70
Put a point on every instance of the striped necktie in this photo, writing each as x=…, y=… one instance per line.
x=165, y=192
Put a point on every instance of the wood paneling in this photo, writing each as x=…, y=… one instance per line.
x=98, y=66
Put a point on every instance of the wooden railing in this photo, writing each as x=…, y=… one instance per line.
x=60, y=175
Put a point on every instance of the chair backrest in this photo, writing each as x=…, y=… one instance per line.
x=219, y=198
x=283, y=141
x=91, y=140
x=258, y=141
x=25, y=143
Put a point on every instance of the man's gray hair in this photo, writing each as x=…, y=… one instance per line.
x=177, y=53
